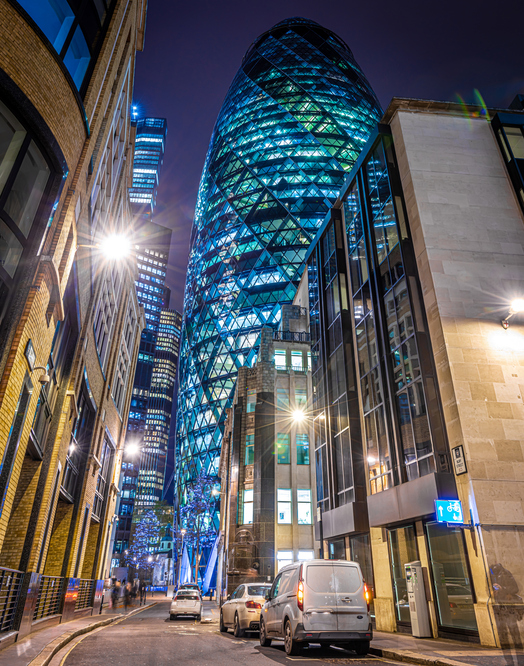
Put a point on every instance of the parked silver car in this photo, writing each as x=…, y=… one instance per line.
x=186, y=602
x=318, y=601
x=241, y=611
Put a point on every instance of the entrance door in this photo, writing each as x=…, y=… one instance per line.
x=402, y=549
x=453, y=590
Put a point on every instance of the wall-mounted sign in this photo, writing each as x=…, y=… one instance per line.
x=459, y=460
x=30, y=355
x=449, y=511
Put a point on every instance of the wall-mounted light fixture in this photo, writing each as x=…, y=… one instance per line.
x=516, y=306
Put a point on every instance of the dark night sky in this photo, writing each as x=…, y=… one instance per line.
x=423, y=49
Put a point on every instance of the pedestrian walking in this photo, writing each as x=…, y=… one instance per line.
x=115, y=593
x=127, y=595
x=143, y=593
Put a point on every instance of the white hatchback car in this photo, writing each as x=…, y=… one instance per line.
x=186, y=602
x=241, y=611
x=318, y=601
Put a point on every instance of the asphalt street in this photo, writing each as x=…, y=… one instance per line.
x=149, y=638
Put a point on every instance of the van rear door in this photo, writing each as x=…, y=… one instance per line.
x=320, y=598
x=352, y=612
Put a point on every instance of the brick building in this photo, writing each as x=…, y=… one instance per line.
x=70, y=321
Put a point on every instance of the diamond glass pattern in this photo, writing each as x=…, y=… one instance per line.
x=292, y=124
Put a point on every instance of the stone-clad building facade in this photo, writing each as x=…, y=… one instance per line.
x=409, y=285
x=70, y=321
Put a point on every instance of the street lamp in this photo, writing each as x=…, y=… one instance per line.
x=114, y=247
x=298, y=415
x=516, y=306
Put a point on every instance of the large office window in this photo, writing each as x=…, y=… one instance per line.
x=304, y=506
x=25, y=177
x=282, y=398
x=250, y=450
x=280, y=358
x=284, y=513
x=300, y=397
x=284, y=557
x=283, y=448
x=297, y=360
x=251, y=400
x=71, y=32
x=247, y=512
x=302, y=449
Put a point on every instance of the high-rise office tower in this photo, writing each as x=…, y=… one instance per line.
x=151, y=402
x=293, y=123
x=147, y=162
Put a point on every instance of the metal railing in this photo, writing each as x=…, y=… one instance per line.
x=49, y=597
x=85, y=593
x=291, y=336
x=288, y=368
x=10, y=584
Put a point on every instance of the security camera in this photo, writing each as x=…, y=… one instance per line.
x=44, y=379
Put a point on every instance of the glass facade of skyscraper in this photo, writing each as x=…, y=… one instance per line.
x=293, y=123
x=147, y=161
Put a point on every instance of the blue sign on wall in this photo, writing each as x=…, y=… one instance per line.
x=449, y=511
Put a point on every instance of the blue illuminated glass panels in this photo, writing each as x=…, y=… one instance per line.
x=292, y=124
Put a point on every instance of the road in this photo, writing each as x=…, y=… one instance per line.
x=149, y=638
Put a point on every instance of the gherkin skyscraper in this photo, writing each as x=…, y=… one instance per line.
x=292, y=124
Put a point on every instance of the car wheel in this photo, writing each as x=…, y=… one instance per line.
x=291, y=646
x=237, y=631
x=264, y=640
x=361, y=648
x=199, y=618
x=223, y=627
x=171, y=617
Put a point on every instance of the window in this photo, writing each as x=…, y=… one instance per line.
x=250, y=450
x=302, y=449
x=284, y=557
x=280, y=358
x=304, y=507
x=284, y=506
x=283, y=449
x=282, y=398
x=248, y=507
x=300, y=397
x=296, y=360
x=304, y=555
x=309, y=360
x=251, y=400
x=516, y=141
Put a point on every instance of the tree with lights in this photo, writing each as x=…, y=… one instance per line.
x=196, y=522
x=144, y=541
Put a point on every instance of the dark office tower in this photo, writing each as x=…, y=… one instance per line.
x=293, y=123
x=147, y=162
x=159, y=407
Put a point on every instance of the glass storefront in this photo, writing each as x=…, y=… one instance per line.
x=337, y=549
x=402, y=549
x=452, y=583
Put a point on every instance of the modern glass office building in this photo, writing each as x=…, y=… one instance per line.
x=148, y=159
x=292, y=124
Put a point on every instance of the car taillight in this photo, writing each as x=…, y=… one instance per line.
x=452, y=605
x=300, y=591
x=253, y=604
x=367, y=595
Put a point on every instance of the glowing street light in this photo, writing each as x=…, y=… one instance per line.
x=132, y=449
x=515, y=307
x=116, y=247
x=298, y=416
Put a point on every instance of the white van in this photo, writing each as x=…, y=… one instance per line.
x=318, y=601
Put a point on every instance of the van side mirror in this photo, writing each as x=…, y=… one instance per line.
x=228, y=597
x=268, y=595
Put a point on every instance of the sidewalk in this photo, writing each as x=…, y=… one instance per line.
x=41, y=644
x=441, y=652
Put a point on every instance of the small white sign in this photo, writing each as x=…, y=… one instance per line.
x=459, y=460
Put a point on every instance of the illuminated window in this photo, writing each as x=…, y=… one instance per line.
x=296, y=360
x=284, y=506
x=248, y=507
x=284, y=557
x=251, y=400
x=250, y=449
x=280, y=358
x=302, y=449
x=282, y=398
x=283, y=449
x=304, y=507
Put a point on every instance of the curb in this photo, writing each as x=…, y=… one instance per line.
x=49, y=651
x=409, y=657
